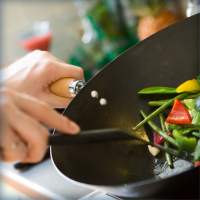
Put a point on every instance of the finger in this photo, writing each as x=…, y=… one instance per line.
x=56, y=101
x=33, y=133
x=10, y=153
x=43, y=113
x=62, y=70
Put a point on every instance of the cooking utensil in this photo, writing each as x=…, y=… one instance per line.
x=67, y=87
x=122, y=168
x=105, y=135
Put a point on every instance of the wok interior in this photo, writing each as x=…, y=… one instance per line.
x=168, y=58
x=118, y=162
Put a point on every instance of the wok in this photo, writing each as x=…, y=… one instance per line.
x=123, y=168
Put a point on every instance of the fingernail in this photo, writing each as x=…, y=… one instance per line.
x=74, y=127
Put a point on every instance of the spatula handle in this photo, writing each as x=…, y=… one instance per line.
x=91, y=136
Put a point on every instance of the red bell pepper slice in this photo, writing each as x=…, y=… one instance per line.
x=179, y=114
x=157, y=139
x=197, y=163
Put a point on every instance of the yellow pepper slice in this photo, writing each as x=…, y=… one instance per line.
x=190, y=85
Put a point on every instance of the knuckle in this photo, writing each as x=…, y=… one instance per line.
x=81, y=70
x=48, y=62
x=45, y=53
x=37, y=51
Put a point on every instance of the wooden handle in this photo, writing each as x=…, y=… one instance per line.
x=61, y=87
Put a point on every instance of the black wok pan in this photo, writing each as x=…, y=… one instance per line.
x=123, y=168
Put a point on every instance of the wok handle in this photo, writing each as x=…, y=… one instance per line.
x=66, y=87
x=91, y=136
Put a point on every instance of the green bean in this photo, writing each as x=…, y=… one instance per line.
x=193, y=96
x=166, y=143
x=162, y=122
x=160, y=109
x=159, y=131
x=161, y=102
x=158, y=90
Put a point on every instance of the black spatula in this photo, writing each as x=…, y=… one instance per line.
x=105, y=135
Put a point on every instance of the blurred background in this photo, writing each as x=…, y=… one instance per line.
x=86, y=33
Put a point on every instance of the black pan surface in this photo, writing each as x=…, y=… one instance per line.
x=123, y=168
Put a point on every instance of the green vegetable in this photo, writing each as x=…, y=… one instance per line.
x=159, y=131
x=197, y=104
x=197, y=153
x=158, y=90
x=196, y=118
x=196, y=134
x=160, y=109
x=183, y=129
x=184, y=143
x=166, y=143
x=198, y=79
x=194, y=109
x=190, y=105
x=161, y=102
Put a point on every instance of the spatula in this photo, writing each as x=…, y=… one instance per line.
x=105, y=135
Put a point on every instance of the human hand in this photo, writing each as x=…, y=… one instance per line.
x=34, y=73
x=22, y=136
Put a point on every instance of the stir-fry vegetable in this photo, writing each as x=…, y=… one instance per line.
x=179, y=114
x=159, y=131
x=183, y=129
x=161, y=102
x=196, y=118
x=183, y=118
x=160, y=109
x=166, y=143
x=184, y=143
x=196, y=134
x=157, y=139
x=197, y=154
x=190, y=85
x=158, y=90
x=197, y=104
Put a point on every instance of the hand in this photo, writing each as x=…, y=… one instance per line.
x=22, y=136
x=34, y=73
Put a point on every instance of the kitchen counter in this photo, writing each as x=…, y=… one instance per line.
x=41, y=182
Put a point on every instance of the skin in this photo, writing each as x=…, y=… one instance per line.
x=26, y=103
x=18, y=118
x=34, y=73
